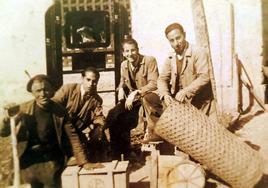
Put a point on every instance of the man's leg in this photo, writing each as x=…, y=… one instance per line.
x=28, y=176
x=153, y=109
x=120, y=121
x=128, y=121
x=45, y=174
x=115, y=129
x=51, y=176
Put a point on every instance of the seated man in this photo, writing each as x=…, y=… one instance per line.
x=44, y=135
x=138, y=79
x=84, y=107
x=185, y=77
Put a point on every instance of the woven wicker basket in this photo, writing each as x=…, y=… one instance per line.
x=211, y=144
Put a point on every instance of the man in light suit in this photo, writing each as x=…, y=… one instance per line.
x=185, y=76
x=137, y=82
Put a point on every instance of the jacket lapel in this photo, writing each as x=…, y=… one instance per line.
x=58, y=123
x=126, y=73
x=174, y=64
x=188, y=53
x=75, y=99
x=173, y=71
x=142, y=68
x=21, y=128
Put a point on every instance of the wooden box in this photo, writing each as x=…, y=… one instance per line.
x=69, y=177
x=113, y=175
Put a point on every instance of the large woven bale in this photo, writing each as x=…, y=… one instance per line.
x=211, y=144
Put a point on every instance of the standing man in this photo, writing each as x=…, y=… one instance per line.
x=84, y=107
x=138, y=79
x=44, y=135
x=185, y=77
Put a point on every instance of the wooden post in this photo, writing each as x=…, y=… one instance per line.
x=16, y=163
x=202, y=37
x=154, y=169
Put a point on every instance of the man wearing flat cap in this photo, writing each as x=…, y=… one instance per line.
x=44, y=136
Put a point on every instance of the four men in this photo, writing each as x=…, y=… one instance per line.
x=76, y=110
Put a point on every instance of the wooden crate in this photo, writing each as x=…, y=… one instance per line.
x=113, y=175
x=69, y=177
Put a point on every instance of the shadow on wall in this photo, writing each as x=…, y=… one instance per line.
x=246, y=82
x=265, y=46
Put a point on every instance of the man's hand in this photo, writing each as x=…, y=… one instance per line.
x=130, y=99
x=181, y=96
x=91, y=166
x=168, y=99
x=11, y=109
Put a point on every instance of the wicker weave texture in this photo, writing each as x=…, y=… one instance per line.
x=211, y=144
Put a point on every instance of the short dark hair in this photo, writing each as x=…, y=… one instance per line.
x=129, y=41
x=91, y=69
x=38, y=77
x=172, y=27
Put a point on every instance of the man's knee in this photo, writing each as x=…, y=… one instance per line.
x=115, y=112
x=151, y=99
x=152, y=104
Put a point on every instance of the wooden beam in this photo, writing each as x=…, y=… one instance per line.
x=202, y=38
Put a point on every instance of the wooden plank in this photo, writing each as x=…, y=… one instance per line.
x=107, y=166
x=202, y=37
x=154, y=169
x=69, y=177
x=121, y=166
x=110, y=178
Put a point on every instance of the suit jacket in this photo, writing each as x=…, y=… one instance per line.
x=194, y=78
x=90, y=112
x=145, y=78
x=66, y=134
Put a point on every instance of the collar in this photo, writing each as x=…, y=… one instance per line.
x=187, y=52
x=82, y=90
x=141, y=59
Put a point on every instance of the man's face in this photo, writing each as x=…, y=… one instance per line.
x=177, y=41
x=130, y=52
x=90, y=82
x=42, y=91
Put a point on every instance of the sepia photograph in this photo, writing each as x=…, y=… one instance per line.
x=134, y=94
